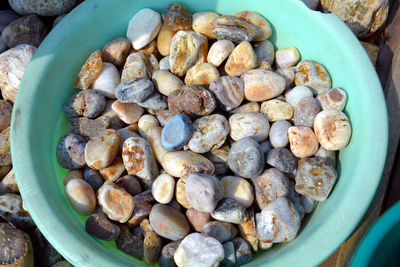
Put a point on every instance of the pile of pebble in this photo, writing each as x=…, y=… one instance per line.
x=194, y=143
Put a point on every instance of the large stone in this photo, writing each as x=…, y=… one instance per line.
x=46, y=8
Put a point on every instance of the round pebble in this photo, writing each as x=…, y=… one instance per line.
x=176, y=132
x=305, y=112
x=99, y=225
x=116, y=51
x=93, y=178
x=246, y=159
x=168, y=222
x=107, y=80
x=229, y=210
x=277, y=110
x=260, y=85
x=238, y=189
x=203, y=191
x=198, y=219
x=219, y=51
x=202, y=22
x=242, y=59
x=303, y=142
x=233, y=28
x=140, y=64
x=222, y=231
x=85, y=103
x=176, y=17
x=209, y=133
x=166, y=82
x=163, y=188
x=249, y=124
x=228, y=91
x=71, y=151
x=334, y=98
x=299, y=92
x=81, y=196
x=278, y=134
x=287, y=57
x=313, y=75
x=201, y=73
x=282, y=159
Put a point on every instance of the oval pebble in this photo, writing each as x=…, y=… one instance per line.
x=81, y=196
x=313, y=75
x=242, y=59
x=278, y=134
x=116, y=51
x=287, y=57
x=166, y=82
x=99, y=225
x=299, y=92
x=70, y=151
x=202, y=22
x=164, y=38
x=229, y=210
x=163, y=188
x=249, y=124
x=248, y=107
x=145, y=123
x=198, y=219
x=228, y=91
x=86, y=103
x=303, y=142
x=219, y=51
x=265, y=51
x=107, y=80
x=177, y=132
x=305, y=112
x=238, y=189
x=277, y=110
x=176, y=17
x=282, y=159
x=222, y=231
x=233, y=28
x=260, y=85
x=134, y=90
x=201, y=73
x=334, y=98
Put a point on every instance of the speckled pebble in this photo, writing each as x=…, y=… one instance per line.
x=228, y=91
x=134, y=90
x=87, y=127
x=168, y=222
x=287, y=57
x=278, y=134
x=247, y=230
x=313, y=75
x=277, y=110
x=229, y=210
x=219, y=51
x=116, y=51
x=100, y=226
x=233, y=28
x=305, y=112
x=249, y=124
x=242, y=59
x=87, y=103
x=70, y=151
x=113, y=171
x=9, y=184
x=260, y=85
x=139, y=65
x=5, y=114
x=282, y=159
x=334, y=98
x=176, y=132
x=89, y=71
x=303, y=142
x=163, y=188
x=81, y=196
x=152, y=248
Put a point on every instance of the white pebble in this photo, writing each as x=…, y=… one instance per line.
x=278, y=134
x=249, y=124
x=293, y=96
x=163, y=188
x=220, y=51
x=107, y=81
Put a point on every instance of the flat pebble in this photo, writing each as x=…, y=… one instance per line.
x=229, y=210
x=145, y=123
x=152, y=248
x=222, y=231
x=288, y=74
x=127, y=112
x=229, y=255
x=265, y=51
x=143, y=27
x=278, y=222
x=100, y=226
x=192, y=99
x=277, y=110
x=5, y=114
x=201, y=73
x=180, y=194
x=166, y=82
x=167, y=254
x=169, y=222
x=233, y=28
x=315, y=178
x=332, y=129
x=202, y=22
x=209, y=133
x=278, y=134
x=107, y=80
x=260, y=85
x=164, y=63
x=93, y=178
x=242, y=59
x=113, y=171
x=87, y=103
x=115, y=202
x=70, y=151
x=198, y=219
x=238, y=189
x=139, y=65
x=287, y=57
x=203, y=191
x=328, y=155
x=81, y=196
x=247, y=230
x=282, y=159
x=246, y=159
x=228, y=91
x=249, y=124
x=305, y=112
x=313, y=75
x=334, y=98
x=163, y=188
x=219, y=158
x=219, y=51
x=199, y=250
x=130, y=244
x=87, y=127
x=177, y=132
x=303, y=142
x=296, y=94
x=242, y=251
x=116, y=51
x=130, y=183
x=89, y=71
x=248, y=107
x=73, y=174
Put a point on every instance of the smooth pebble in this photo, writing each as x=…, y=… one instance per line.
x=222, y=231
x=302, y=140
x=313, y=75
x=71, y=151
x=242, y=59
x=282, y=159
x=163, y=188
x=277, y=110
x=81, y=196
x=202, y=22
x=305, y=111
x=334, y=98
x=198, y=219
x=228, y=91
x=100, y=226
x=249, y=124
x=140, y=64
x=177, y=132
x=176, y=17
x=299, y=92
x=166, y=82
x=260, y=85
x=107, y=80
x=219, y=51
x=287, y=57
x=164, y=38
x=264, y=30
x=238, y=189
x=233, y=28
x=201, y=73
x=229, y=210
x=93, y=178
x=116, y=51
x=278, y=134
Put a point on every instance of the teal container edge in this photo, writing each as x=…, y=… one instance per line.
x=38, y=122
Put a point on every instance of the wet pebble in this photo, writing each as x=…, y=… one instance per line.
x=202, y=22
x=101, y=227
x=70, y=151
x=242, y=59
x=277, y=110
x=229, y=210
x=219, y=158
x=152, y=248
x=229, y=255
x=87, y=127
x=198, y=219
x=305, y=112
x=238, y=189
x=167, y=254
x=107, y=80
x=177, y=132
x=166, y=82
x=260, y=85
x=303, y=142
x=130, y=244
x=81, y=196
x=89, y=71
x=278, y=134
x=201, y=73
x=296, y=94
x=228, y=91
x=233, y=28
x=116, y=51
x=248, y=107
x=163, y=188
x=176, y=17
x=334, y=98
x=242, y=251
x=222, y=231
x=87, y=103
x=219, y=51
x=127, y=112
x=264, y=30
x=313, y=75
x=93, y=178
x=130, y=183
x=114, y=170
x=139, y=65
x=282, y=159
x=249, y=124
x=287, y=57
x=180, y=194
x=168, y=222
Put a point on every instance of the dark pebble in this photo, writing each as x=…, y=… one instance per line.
x=129, y=243
x=93, y=178
x=70, y=151
x=130, y=183
x=87, y=103
x=26, y=30
x=233, y=28
x=282, y=159
x=167, y=254
x=229, y=255
x=222, y=231
x=229, y=210
x=100, y=226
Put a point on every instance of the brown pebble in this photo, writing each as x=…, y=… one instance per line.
x=116, y=51
x=90, y=71
x=198, y=219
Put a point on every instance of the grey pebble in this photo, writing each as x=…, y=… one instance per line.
x=87, y=103
x=222, y=231
x=130, y=183
x=308, y=203
x=282, y=159
x=229, y=210
x=134, y=90
x=154, y=102
x=233, y=28
x=266, y=147
x=328, y=155
x=278, y=134
x=305, y=111
x=229, y=255
x=242, y=251
x=129, y=243
x=88, y=127
x=295, y=198
x=100, y=226
x=42, y=8
x=70, y=151
x=167, y=254
x=93, y=178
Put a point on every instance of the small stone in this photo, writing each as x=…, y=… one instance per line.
x=315, y=178
x=154, y=138
x=260, y=85
x=81, y=196
x=229, y=210
x=270, y=185
x=288, y=74
x=166, y=82
x=277, y=110
x=308, y=203
x=334, y=98
x=180, y=194
x=183, y=163
x=242, y=251
x=328, y=155
x=169, y=222
x=164, y=116
x=154, y=102
x=202, y=22
x=234, y=29
x=115, y=122
x=303, y=142
x=279, y=221
x=220, y=51
x=187, y=49
x=313, y=75
x=202, y=74
x=88, y=127
x=203, y=191
x=152, y=248
x=278, y=134
x=107, y=80
x=264, y=30
x=70, y=151
x=140, y=212
x=115, y=202
x=100, y=226
x=238, y=189
x=5, y=114
x=198, y=219
x=25, y=30
x=295, y=198
x=248, y=107
x=176, y=132
x=11, y=210
x=89, y=71
x=9, y=184
x=139, y=65
x=101, y=150
x=219, y=158
x=246, y=158
x=296, y=94
x=363, y=17
x=13, y=63
x=163, y=189
x=265, y=51
x=145, y=227
x=167, y=254
x=264, y=245
x=249, y=124
x=139, y=159
x=228, y=91
x=282, y=159
x=113, y=171
x=116, y=51
x=127, y=112
x=164, y=40
x=86, y=103
x=192, y=99
x=305, y=112
x=145, y=123
x=247, y=231
x=130, y=183
x=164, y=63
x=143, y=27
x=73, y=174
x=222, y=231
x=332, y=129
x=229, y=255
x=130, y=244
x=93, y=178
x=287, y=57
x=134, y=90
x=209, y=133
x=242, y=59
x=199, y=250
x=50, y=8
x=176, y=17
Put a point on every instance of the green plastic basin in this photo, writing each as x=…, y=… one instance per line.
x=38, y=122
